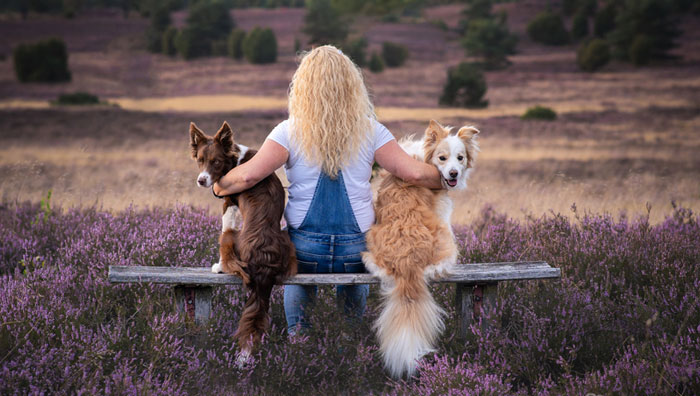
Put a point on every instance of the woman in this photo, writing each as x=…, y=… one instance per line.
x=328, y=146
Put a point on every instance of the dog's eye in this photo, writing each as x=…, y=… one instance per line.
x=442, y=158
x=459, y=158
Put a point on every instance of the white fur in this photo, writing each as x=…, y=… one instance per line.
x=206, y=177
x=244, y=149
x=217, y=268
x=232, y=219
x=402, y=343
x=452, y=164
x=412, y=147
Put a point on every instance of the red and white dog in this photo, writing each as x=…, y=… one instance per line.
x=412, y=243
x=252, y=246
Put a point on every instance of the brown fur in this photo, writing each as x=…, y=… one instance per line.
x=259, y=253
x=410, y=244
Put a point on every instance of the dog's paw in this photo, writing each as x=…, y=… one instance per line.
x=217, y=268
x=244, y=360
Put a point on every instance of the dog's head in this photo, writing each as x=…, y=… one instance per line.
x=452, y=154
x=214, y=155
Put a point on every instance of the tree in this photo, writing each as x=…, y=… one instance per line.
x=651, y=18
x=593, y=55
x=235, y=43
x=548, y=28
x=324, y=24
x=260, y=46
x=212, y=17
x=394, y=54
x=579, y=26
x=465, y=86
x=160, y=20
x=376, y=64
x=44, y=61
x=490, y=39
x=355, y=49
x=208, y=25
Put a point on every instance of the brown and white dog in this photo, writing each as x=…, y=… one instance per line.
x=252, y=246
x=412, y=243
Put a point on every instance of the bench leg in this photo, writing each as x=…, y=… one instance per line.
x=471, y=300
x=194, y=302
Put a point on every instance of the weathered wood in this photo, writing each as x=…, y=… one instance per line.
x=471, y=301
x=464, y=306
x=194, y=302
x=463, y=273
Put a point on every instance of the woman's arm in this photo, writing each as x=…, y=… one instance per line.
x=392, y=158
x=271, y=156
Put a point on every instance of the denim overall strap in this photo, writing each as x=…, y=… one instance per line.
x=330, y=211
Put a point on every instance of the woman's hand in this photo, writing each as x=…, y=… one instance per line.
x=392, y=158
x=269, y=158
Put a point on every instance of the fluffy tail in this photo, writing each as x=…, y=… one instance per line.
x=255, y=318
x=408, y=325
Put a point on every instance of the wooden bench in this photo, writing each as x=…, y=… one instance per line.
x=477, y=284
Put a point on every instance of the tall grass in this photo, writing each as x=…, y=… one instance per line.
x=624, y=319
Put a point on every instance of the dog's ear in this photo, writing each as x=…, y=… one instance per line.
x=225, y=138
x=468, y=134
x=197, y=137
x=434, y=131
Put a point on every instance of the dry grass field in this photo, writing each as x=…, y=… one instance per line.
x=625, y=137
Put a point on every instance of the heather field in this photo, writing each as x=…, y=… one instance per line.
x=623, y=320
x=609, y=192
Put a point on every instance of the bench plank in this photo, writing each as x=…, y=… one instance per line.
x=463, y=273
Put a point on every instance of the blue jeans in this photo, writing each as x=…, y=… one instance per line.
x=327, y=241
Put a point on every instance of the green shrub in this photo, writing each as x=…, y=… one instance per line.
x=593, y=55
x=219, y=48
x=640, y=52
x=235, y=44
x=571, y=7
x=355, y=49
x=43, y=61
x=465, y=87
x=160, y=20
x=260, y=46
x=394, y=54
x=212, y=17
x=579, y=27
x=208, y=25
x=376, y=64
x=168, y=41
x=324, y=23
x=77, y=98
x=191, y=43
x=653, y=18
x=539, y=113
x=604, y=21
x=548, y=28
x=490, y=39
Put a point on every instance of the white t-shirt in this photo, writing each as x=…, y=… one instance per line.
x=303, y=176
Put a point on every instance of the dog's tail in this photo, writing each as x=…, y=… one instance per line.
x=255, y=318
x=409, y=323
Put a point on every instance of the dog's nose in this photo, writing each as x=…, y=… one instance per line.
x=453, y=173
x=202, y=181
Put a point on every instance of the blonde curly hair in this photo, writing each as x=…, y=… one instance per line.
x=329, y=108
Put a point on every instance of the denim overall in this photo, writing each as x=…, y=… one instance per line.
x=327, y=241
